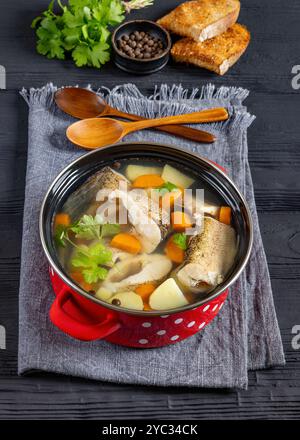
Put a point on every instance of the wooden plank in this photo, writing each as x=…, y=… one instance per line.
x=53, y=399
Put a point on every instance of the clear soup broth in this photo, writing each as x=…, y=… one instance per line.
x=145, y=236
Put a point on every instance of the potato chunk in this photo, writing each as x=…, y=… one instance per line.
x=134, y=171
x=174, y=176
x=127, y=300
x=167, y=296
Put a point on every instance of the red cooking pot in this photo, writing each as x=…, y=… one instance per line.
x=83, y=316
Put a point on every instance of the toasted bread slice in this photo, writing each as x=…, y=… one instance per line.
x=217, y=54
x=202, y=19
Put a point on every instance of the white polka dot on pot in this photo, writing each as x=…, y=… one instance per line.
x=215, y=307
x=174, y=338
x=221, y=305
x=143, y=341
x=165, y=316
x=201, y=325
x=161, y=332
x=146, y=324
x=178, y=321
x=191, y=324
x=206, y=308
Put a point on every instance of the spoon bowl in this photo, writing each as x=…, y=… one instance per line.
x=80, y=103
x=95, y=133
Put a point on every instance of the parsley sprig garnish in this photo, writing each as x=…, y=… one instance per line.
x=166, y=188
x=180, y=239
x=90, y=259
x=87, y=227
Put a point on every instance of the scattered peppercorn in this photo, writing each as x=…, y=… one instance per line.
x=116, y=302
x=140, y=45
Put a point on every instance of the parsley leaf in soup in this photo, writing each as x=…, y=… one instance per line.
x=100, y=252
x=81, y=259
x=166, y=188
x=108, y=230
x=91, y=259
x=93, y=275
x=180, y=239
x=60, y=235
x=87, y=227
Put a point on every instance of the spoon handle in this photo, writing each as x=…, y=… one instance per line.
x=211, y=115
x=181, y=131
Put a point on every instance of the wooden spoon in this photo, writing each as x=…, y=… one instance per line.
x=83, y=104
x=95, y=133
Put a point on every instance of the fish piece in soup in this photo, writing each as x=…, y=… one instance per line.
x=132, y=272
x=209, y=257
x=110, y=179
x=150, y=223
x=84, y=198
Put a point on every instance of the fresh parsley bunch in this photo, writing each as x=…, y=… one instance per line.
x=81, y=28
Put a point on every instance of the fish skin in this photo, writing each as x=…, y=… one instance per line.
x=209, y=257
x=85, y=195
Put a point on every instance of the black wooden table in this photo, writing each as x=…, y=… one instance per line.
x=274, y=152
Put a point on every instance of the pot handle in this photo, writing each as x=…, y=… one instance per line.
x=78, y=330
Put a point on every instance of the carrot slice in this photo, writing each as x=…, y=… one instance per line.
x=174, y=252
x=168, y=200
x=225, y=215
x=78, y=278
x=180, y=221
x=126, y=242
x=145, y=290
x=148, y=181
x=62, y=219
x=147, y=307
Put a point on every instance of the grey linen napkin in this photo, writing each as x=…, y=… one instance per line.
x=245, y=334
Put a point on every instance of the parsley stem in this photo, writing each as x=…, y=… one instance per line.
x=76, y=246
